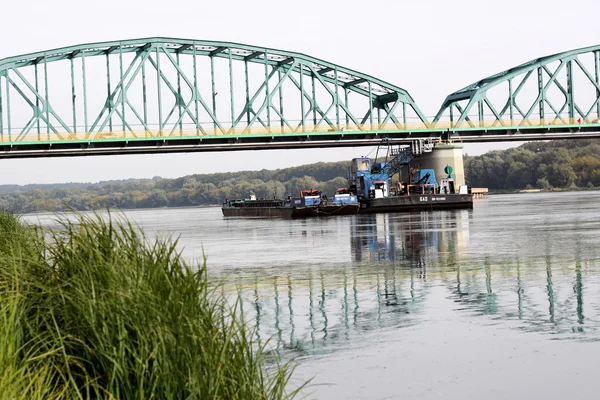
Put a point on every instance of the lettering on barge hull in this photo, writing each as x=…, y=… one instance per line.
x=434, y=198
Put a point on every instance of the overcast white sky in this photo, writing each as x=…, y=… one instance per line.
x=429, y=47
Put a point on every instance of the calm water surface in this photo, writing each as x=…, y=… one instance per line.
x=500, y=302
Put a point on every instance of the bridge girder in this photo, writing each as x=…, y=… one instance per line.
x=538, y=92
x=183, y=98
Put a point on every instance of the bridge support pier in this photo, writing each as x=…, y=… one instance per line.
x=441, y=156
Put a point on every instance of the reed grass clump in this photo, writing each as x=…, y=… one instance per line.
x=95, y=310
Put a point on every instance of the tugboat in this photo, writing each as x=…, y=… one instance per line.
x=311, y=203
x=371, y=180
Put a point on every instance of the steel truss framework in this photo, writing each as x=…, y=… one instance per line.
x=556, y=101
x=184, y=100
x=159, y=95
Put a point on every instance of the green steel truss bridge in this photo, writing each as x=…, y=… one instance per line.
x=158, y=95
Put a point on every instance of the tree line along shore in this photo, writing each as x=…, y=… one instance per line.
x=560, y=164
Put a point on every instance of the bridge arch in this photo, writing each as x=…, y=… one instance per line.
x=169, y=87
x=562, y=88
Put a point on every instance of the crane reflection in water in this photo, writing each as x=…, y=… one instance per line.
x=396, y=261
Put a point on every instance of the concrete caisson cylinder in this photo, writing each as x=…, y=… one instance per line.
x=441, y=156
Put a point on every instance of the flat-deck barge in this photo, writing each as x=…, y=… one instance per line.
x=310, y=204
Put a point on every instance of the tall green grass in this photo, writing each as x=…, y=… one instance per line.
x=95, y=310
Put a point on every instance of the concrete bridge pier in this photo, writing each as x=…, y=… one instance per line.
x=442, y=155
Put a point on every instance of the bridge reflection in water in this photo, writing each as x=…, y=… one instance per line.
x=397, y=261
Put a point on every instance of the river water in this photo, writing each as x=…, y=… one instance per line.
x=499, y=302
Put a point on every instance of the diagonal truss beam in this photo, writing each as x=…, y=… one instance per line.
x=537, y=73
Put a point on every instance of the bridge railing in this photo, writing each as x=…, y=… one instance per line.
x=434, y=127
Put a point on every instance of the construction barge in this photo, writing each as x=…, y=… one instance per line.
x=371, y=189
x=415, y=189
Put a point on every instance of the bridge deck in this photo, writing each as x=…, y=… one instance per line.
x=57, y=145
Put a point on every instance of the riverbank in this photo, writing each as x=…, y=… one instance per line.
x=97, y=310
